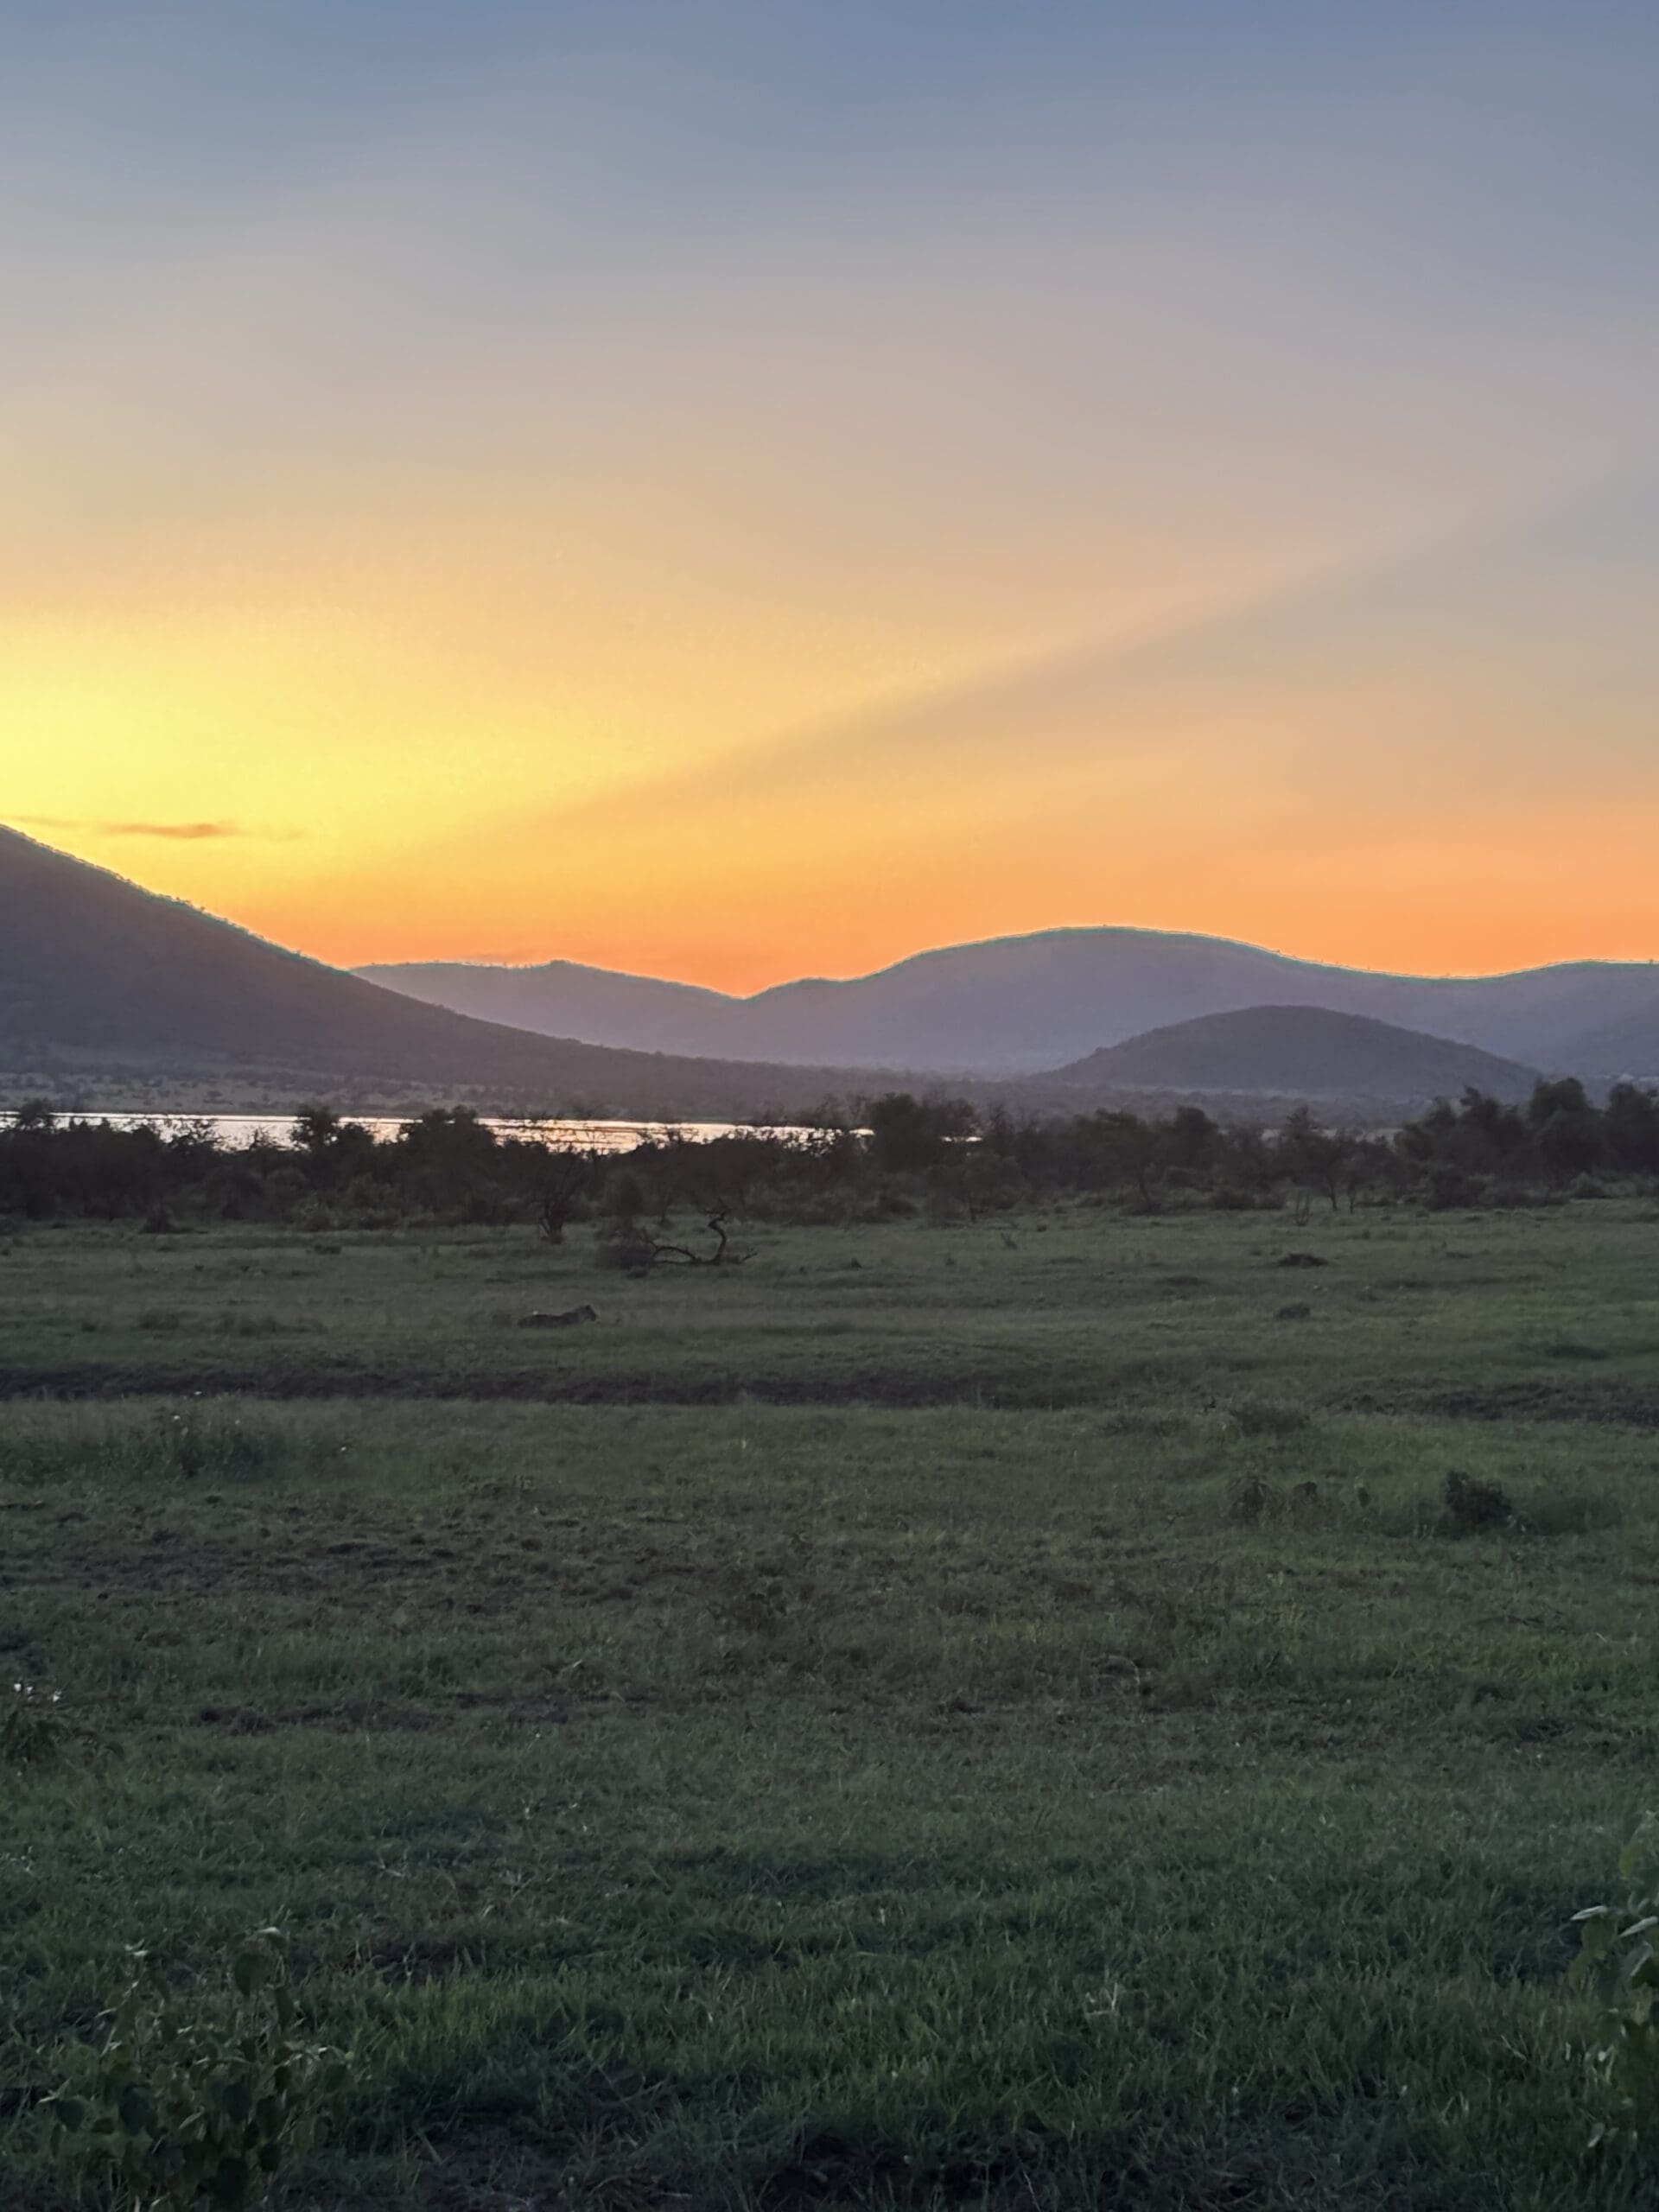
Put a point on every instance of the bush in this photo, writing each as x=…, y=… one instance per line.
x=1449, y=1188
x=1253, y=1499
x=1472, y=1504
x=626, y=1250
x=34, y=1727
x=183, y=2101
x=1618, y=1964
x=1260, y=1417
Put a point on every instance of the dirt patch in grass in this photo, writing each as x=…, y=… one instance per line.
x=873, y=1386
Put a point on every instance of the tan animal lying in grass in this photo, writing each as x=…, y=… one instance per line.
x=568, y=1319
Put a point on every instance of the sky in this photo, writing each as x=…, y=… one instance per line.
x=736, y=492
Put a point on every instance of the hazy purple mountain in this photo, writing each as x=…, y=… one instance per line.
x=1025, y=1004
x=98, y=975
x=100, y=978
x=561, y=998
x=1627, y=1047
x=1299, y=1051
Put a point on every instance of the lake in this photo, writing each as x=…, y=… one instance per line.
x=236, y=1130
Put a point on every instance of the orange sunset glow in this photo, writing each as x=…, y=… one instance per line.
x=736, y=515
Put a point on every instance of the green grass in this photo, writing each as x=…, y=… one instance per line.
x=1008, y=1724
x=1543, y=1312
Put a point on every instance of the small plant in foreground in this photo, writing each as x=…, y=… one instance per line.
x=1251, y=1499
x=1619, y=1962
x=186, y=2102
x=1254, y=1415
x=33, y=1726
x=1472, y=1503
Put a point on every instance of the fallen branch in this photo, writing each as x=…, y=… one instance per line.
x=682, y=1255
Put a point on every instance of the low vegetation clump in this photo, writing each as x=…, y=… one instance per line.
x=1618, y=1964
x=1257, y=1415
x=189, y=2101
x=1472, y=1504
x=34, y=1727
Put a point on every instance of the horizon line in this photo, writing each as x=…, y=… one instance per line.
x=487, y=965
x=362, y=968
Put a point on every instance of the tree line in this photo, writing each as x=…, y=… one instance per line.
x=899, y=1155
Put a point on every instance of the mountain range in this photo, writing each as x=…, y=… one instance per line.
x=1020, y=1004
x=111, y=994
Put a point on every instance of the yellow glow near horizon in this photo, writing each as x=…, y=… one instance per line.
x=305, y=780
x=719, y=507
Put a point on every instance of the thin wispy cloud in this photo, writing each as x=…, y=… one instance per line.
x=188, y=833
x=1086, y=703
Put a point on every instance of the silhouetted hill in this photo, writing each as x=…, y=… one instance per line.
x=1023, y=1004
x=1297, y=1051
x=100, y=981
x=564, y=998
x=1625, y=1048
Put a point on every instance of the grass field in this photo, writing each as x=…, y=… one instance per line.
x=987, y=1716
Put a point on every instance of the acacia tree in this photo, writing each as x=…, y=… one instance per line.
x=1312, y=1156
x=910, y=1135
x=1566, y=1129
x=564, y=1185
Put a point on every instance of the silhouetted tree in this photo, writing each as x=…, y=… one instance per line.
x=909, y=1136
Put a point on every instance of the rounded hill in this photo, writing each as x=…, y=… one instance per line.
x=1303, y=1051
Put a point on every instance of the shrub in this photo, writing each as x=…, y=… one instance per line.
x=1450, y=1188
x=185, y=2100
x=1618, y=1964
x=1472, y=1503
x=33, y=1726
x=1260, y=1417
x=626, y=1250
x=209, y=1440
x=1253, y=1499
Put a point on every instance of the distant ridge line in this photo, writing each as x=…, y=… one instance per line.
x=1031, y=1004
x=99, y=978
